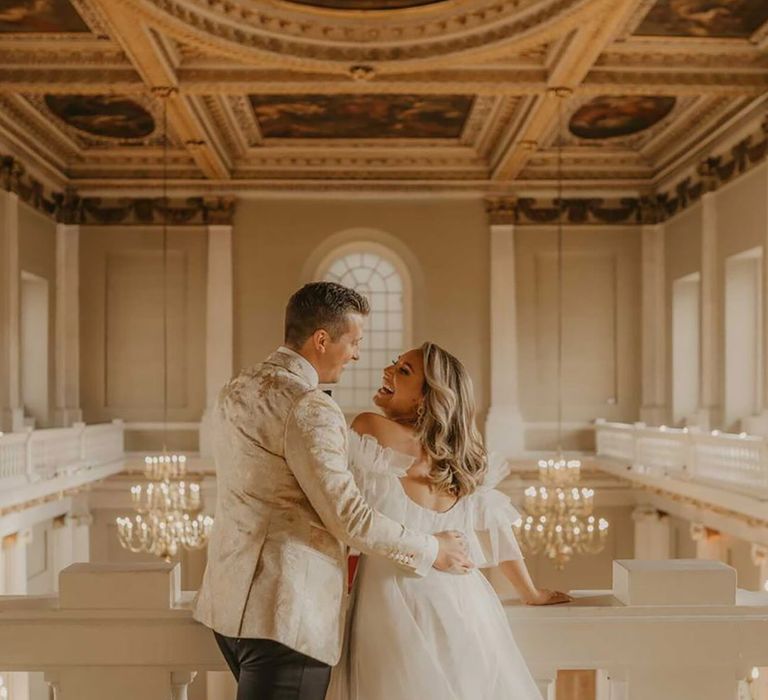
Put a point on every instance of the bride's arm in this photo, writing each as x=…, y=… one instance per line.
x=517, y=573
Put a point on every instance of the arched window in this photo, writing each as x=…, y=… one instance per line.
x=376, y=272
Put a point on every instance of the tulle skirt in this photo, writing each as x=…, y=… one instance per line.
x=441, y=637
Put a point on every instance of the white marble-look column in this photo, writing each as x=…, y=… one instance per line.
x=653, y=534
x=759, y=555
x=758, y=425
x=81, y=536
x=180, y=681
x=219, y=341
x=67, y=325
x=62, y=544
x=11, y=410
x=710, y=544
x=13, y=552
x=709, y=414
x=504, y=426
x=653, y=410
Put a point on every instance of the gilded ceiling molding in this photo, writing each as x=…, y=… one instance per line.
x=287, y=33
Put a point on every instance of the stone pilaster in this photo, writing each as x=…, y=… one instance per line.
x=709, y=414
x=219, y=340
x=504, y=425
x=67, y=325
x=653, y=534
x=654, y=409
x=11, y=410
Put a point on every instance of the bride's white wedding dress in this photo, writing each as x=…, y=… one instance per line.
x=441, y=637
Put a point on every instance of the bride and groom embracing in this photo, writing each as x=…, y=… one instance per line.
x=412, y=489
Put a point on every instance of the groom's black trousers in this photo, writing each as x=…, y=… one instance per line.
x=267, y=670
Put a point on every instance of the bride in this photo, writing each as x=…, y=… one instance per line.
x=442, y=637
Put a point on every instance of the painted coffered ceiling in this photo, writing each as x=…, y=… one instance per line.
x=383, y=94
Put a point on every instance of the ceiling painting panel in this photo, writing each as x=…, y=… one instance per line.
x=704, y=18
x=40, y=16
x=611, y=116
x=361, y=116
x=107, y=116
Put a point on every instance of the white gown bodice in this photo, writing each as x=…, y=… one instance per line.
x=441, y=636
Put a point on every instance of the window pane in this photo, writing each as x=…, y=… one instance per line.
x=379, y=321
x=378, y=279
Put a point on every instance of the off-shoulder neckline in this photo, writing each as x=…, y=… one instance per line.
x=384, y=449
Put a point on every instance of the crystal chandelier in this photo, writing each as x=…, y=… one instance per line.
x=168, y=511
x=558, y=519
x=168, y=506
x=558, y=515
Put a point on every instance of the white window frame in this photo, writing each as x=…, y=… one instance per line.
x=363, y=247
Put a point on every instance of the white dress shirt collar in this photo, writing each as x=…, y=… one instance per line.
x=307, y=367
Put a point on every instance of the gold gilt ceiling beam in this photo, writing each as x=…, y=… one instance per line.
x=155, y=65
x=479, y=81
x=576, y=57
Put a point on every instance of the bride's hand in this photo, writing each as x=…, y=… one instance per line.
x=546, y=597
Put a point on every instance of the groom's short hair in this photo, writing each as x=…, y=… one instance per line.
x=321, y=305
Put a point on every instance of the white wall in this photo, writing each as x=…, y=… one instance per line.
x=743, y=337
x=35, y=347
x=686, y=345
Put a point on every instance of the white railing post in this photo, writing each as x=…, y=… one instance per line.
x=92, y=587
x=547, y=684
x=737, y=462
x=180, y=681
x=28, y=451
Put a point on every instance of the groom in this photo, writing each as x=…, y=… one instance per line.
x=288, y=507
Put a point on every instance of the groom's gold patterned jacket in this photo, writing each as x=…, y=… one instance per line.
x=287, y=507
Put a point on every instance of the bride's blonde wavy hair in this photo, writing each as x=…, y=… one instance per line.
x=446, y=424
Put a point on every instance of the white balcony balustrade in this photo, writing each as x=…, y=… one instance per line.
x=738, y=463
x=34, y=463
x=669, y=630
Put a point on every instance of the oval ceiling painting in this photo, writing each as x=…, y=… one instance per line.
x=103, y=115
x=609, y=116
x=365, y=4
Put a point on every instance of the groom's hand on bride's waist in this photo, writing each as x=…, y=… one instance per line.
x=453, y=556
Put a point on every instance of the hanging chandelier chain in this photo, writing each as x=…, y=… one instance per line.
x=165, y=271
x=560, y=96
x=558, y=518
x=168, y=508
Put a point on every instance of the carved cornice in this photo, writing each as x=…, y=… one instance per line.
x=68, y=207
x=15, y=178
x=712, y=173
x=193, y=211
x=571, y=211
x=715, y=172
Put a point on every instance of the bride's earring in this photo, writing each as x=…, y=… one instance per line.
x=420, y=413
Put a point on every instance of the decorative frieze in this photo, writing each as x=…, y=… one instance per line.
x=67, y=207
x=15, y=178
x=712, y=173
x=192, y=211
x=528, y=211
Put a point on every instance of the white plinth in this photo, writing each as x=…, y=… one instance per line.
x=150, y=586
x=674, y=582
